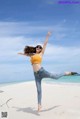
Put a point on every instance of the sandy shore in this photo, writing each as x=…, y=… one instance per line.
x=58, y=101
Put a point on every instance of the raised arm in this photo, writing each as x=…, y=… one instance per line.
x=45, y=42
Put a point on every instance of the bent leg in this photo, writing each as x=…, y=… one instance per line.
x=46, y=74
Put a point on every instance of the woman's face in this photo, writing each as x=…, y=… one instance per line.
x=38, y=49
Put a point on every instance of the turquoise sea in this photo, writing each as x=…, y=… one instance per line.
x=65, y=79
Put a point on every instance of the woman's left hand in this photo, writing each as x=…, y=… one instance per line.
x=49, y=33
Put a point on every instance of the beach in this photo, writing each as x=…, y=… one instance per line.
x=59, y=101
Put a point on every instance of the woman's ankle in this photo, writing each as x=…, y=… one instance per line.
x=39, y=107
x=67, y=73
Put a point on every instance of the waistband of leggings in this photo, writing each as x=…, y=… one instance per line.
x=39, y=70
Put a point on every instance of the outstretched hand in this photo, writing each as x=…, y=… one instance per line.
x=49, y=33
x=20, y=53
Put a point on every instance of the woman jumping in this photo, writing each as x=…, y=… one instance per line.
x=36, y=54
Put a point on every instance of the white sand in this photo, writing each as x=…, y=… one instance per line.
x=58, y=101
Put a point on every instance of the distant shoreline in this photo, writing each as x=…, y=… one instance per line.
x=46, y=82
x=12, y=83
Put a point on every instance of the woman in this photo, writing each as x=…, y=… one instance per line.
x=36, y=54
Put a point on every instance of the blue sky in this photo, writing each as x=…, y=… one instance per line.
x=26, y=22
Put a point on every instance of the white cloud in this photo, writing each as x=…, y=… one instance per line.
x=8, y=29
x=21, y=28
x=62, y=53
x=9, y=47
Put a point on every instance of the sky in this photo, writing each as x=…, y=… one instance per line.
x=26, y=22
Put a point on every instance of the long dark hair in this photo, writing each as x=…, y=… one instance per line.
x=31, y=49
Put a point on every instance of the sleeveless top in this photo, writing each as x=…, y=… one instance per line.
x=36, y=59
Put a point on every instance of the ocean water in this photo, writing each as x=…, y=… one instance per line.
x=64, y=79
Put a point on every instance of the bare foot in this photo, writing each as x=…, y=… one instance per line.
x=67, y=73
x=70, y=73
x=39, y=108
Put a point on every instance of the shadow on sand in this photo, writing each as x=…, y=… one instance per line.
x=1, y=91
x=35, y=112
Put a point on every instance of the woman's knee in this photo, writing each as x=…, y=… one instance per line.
x=39, y=90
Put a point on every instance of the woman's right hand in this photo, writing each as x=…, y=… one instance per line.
x=20, y=53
